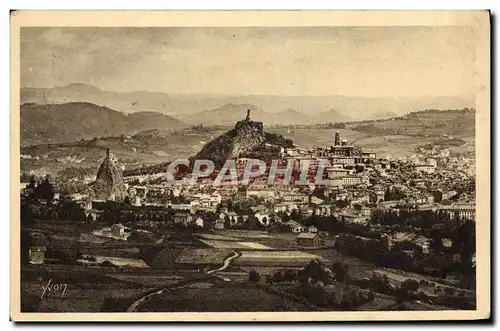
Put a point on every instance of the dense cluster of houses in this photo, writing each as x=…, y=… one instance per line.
x=360, y=183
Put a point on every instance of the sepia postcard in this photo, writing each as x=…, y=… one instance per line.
x=250, y=165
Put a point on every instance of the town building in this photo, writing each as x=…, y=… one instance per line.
x=219, y=224
x=199, y=222
x=308, y=240
x=352, y=180
x=426, y=168
x=312, y=229
x=463, y=210
x=119, y=230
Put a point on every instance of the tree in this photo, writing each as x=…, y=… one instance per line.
x=405, y=291
x=45, y=190
x=317, y=271
x=26, y=216
x=227, y=222
x=253, y=276
x=269, y=279
x=436, y=244
x=90, y=219
x=32, y=183
x=380, y=283
x=107, y=264
x=289, y=275
x=410, y=285
x=449, y=291
x=359, y=168
x=277, y=276
x=341, y=271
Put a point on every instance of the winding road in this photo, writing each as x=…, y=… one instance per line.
x=225, y=265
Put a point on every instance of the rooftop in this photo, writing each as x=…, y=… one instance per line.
x=306, y=235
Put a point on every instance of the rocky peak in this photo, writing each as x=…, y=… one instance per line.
x=248, y=126
x=247, y=139
x=109, y=184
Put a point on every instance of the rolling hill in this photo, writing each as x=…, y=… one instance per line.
x=276, y=106
x=290, y=117
x=448, y=123
x=331, y=116
x=56, y=123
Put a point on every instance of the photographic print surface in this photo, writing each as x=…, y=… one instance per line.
x=299, y=169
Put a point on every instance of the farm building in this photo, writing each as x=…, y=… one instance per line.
x=312, y=229
x=298, y=229
x=118, y=230
x=37, y=255
x=308, y=240
x=219, y=224
x=199, y=222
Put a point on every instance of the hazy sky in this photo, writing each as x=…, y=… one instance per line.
x=364, y=61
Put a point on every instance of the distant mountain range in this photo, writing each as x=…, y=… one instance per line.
x=276, y=109
x=41, y=124
x=230, y=113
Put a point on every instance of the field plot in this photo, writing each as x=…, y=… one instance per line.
x=234, y=245
x=131, y=253
x=92, y=239
x=221, y=243
x=87, y=290
x=165, y=258
x=203, y=256
x=246, y=234
x=271, y=240
x=381, y=302
x=262, y=270
x=276, y=258
x=357, y=268
x=234, y=298
x=394, y=145
x=254, y=245
x=149, y=280
x=121, y=261
x=211, y=236
x=283, y=240
x=77, y=300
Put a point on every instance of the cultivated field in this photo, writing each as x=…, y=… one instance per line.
x=203, y=256
x=234, y=244
x=249, y=234
x=275, y=258
x=87, y=290
x=120, y=261
x=220, y=297
x=212, y=236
